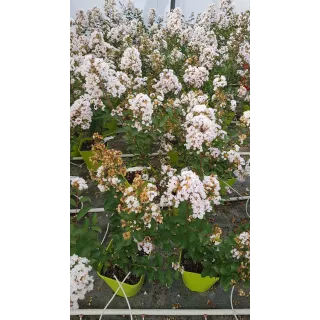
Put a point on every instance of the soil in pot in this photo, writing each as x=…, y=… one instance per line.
x=87, y=145
x=190, y=265
x=121, y=274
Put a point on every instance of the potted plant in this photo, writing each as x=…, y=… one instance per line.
x=176, y=87
x=135, y=218
x=231, y=258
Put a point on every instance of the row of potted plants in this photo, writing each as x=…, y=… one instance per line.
x=157, y=241
x=171, y=86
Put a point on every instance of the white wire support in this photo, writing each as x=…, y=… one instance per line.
x=124, y=296
x=240, y=196
x=105, y=234
x=77, y=165
x=232, y=303
x=104, y=311
x=161, y=312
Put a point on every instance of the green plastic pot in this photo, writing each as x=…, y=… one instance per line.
x=86, y=154
x=129, y=289
x=223, y=185
x=195, y=282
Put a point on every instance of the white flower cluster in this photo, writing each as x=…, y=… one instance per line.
x=80, y=281
x=191, y=99
x=78, y=183
x=242, y=93
x=174, y=21
x=168, y=82
x=212, y=186
x=244, y=52
x=107, y=182
x=151, y=17
x=241, y=168
x=81, y=113
x=146, y=245
x=243, y=172
x=130, y=61
x=201, y=127
x=219, y=82
x=176, y=266
x=99, y=76
x=243, y=246
x=138, y=198
x=245, y=118
x=196, y=76
x=176, y=55
x=207, y=57
x=188, y=187
x=142, y=109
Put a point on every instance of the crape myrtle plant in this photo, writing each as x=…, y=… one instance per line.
x=84, y=227
x=135, y=215
x=230, y=259
x=145, y=79
x=175, y=86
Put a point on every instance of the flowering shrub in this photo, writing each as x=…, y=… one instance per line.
x=172, y=87
x=80, y=281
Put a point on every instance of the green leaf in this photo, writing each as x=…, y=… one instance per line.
x=94, y=219
x=85, y=199
x=96, y=228
x=111, y=202
x=73, y=203
x=246, y=108
x=83, y=212
x=159, y=259
x=192, y=236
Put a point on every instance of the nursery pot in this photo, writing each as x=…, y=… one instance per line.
x=223, y=185
x=195, y=282
x=129, y=289
x=86, y=154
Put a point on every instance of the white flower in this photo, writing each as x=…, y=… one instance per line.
x=233, y=105
x=245, y=118
x=130, y=61
x=207, y=57
x=80, y=281
x=242, y=91
x=81, y=113
x=142, y=109
x=188, y=187
x=201, y=127
x=196, y=76
x=219, y=82
x=176, y=266
x=78, y=183
x=236, y=253
x=168, y=82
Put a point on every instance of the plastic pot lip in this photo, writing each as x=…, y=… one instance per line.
x=127, y=284
x=193, y=273
x=197, y=274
